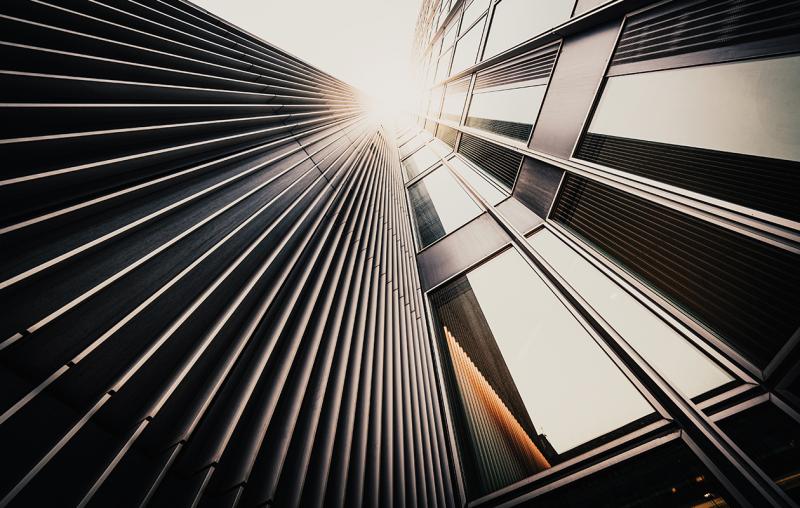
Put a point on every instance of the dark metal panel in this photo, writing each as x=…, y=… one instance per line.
x=519, y=215
x=537, y=185
x=578, y=73
x=459, y=250
x=220, y=242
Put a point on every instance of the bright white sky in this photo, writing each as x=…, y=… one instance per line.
x=366, y=43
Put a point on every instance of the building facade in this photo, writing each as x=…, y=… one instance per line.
x=605, y=203
x=208, y=285
x=572, y=280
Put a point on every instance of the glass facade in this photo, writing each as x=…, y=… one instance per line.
x=509, y=338
x=507, y=31
x=691, y=371
x=509, y=112
x=640, y=245
x=467, y=49
x=439, y=206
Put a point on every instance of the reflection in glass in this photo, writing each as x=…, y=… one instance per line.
x=488, y=190
x=444, y=66
x=772, y=439
x=509, y=112
x=449, y=36
x=410, y=146
x=467, y=49
x=516, y=21
x=717, y=107
x=473, y=12
x=530, y=384
x=454, y=98
x=440, y=206
x=681, y=363
x=435, y=102
x=422, y=159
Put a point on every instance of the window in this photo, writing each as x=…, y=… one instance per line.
x=413, y=144
x=442, y=71
x=489, y=190
x=454, y=97
x=447, y=135
x=440, y=206
x=422, y=159
x=435, y=102
x=714, y=129
x=507, y=97
x=467, y=49
x=500, y=163
x=681, y=363
x=716, y=107
x=507, y=112
x=528, y=381
x=473, y=12
x=740, y=288
x=516, y=21
x=449, y=37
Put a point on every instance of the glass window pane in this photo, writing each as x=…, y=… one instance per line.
x=454, y=99
x=422, y=159
x=718, y=107
x=412, y=145
x=507, y=112
x=516, y=21
x=435, y=102
x=673, y=356
x=440, y=206
x=489, y=191
x=472, y=12
x=772, y=439
x=444, y=67
x=529, y=381
x=467, y=49
x=449, y=36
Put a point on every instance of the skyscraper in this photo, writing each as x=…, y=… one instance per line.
x=605, y=201
x=571, y=279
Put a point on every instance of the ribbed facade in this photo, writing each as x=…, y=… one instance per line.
x=209, y=293
x=570, y=281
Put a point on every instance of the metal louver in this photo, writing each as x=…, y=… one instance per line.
x=501, y=163
x=738, y=287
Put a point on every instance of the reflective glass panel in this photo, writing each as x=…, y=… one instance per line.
x=454, y=99
x=449, y=36
x=516, y=21
x=440, y=206
x=435, y=102
x=444, y=67
x=509, y=112
x=413, y=144
x=717, y=107
x=421, y=160
x=473, y=12
x=530, y=383
x=479, y=182
x=685, y=366
x=467, y=49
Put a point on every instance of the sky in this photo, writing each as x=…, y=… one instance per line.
x=366, y=43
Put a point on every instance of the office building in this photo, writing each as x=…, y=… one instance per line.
x=605, y=202
x=571, y=279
